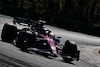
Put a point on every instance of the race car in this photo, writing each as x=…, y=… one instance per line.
x=34, y=36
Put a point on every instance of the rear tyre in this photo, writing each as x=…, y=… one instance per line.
x=25, y=40
x=9, y=32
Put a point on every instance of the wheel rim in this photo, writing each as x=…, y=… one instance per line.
x=14, y=42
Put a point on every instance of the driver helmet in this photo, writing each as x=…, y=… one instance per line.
x=52, y=35
x=41, y=22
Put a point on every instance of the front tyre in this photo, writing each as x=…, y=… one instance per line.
x=77, y=55
x=67, y=58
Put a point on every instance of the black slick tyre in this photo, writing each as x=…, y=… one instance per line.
x=9, y=32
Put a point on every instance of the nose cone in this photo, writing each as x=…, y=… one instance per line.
x=55, y=54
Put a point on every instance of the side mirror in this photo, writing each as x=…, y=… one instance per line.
x=59, y=37
x=48, y=31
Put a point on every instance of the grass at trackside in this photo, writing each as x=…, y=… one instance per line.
x=4, y=16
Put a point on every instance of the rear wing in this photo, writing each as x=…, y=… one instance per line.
x=27, y=21
x=21, y=20
x=24, y=22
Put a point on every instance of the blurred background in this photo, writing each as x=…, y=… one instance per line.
x=87, y=11
x=77, y=15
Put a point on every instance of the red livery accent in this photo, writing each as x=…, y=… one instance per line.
x=51, y=43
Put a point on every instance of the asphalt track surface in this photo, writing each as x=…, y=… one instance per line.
x=11, y=56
